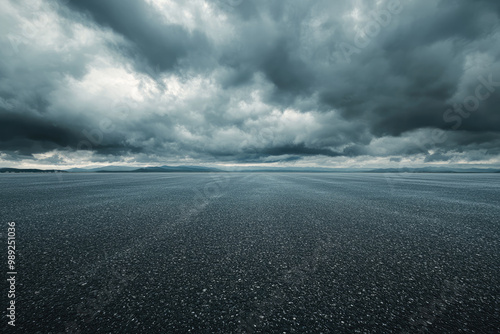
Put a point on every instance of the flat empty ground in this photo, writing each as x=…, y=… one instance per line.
x=255, y=252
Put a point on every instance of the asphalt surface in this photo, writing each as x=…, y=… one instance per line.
x=254, y=252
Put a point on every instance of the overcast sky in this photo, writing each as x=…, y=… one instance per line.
x=295, y=83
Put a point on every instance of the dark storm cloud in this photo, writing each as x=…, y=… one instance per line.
x=437, y=157
x=161, y=45
x=22, y=133
x=299, y=149
x=405, y=79
x=271, y=81
x=28, y=134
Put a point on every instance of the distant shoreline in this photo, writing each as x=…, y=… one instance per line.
x=197, y=169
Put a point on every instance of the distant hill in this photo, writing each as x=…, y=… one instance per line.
x=434, y=170
x=18, y=170
x=102, y=169
x=299, y=170
x=202, y=169
x=184, y=169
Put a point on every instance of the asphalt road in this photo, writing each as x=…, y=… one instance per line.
x=254, y=252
